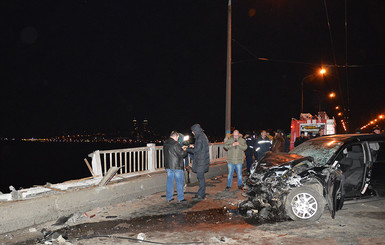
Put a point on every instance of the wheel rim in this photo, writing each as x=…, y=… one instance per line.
x=304, y=205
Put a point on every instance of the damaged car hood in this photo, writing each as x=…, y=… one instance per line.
x=271, y=160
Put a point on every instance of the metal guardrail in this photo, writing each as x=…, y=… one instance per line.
x=141, y=159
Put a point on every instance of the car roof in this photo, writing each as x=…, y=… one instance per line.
x=351, y=137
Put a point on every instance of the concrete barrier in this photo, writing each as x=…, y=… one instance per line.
x=21, y=214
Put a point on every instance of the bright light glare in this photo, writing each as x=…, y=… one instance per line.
x=332, y=95
x=322, y=71
x=186, y=138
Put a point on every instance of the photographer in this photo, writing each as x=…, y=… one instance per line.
x=235, y=146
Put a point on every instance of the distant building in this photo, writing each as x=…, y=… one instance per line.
x=142, y=132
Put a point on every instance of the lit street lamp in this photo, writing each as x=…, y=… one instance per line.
x=332, y=95
x=322, y=72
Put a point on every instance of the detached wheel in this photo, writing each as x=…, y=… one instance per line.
x=304, y=203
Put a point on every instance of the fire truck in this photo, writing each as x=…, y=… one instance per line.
x=311, y=126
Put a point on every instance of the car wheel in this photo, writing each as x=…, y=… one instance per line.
x=304, y=203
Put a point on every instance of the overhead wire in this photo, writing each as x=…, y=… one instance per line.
x=346, y=54
x=257, y=58
x=333, y=53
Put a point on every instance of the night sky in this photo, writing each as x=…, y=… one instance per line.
x=75, y=66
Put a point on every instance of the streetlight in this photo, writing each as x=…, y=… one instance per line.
x=332, y=95
x=337, y=107
x=322, y=72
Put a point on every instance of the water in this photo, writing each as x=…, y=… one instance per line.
x=24, y=164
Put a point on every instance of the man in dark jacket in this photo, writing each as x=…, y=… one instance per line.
x=201, y=161
x=249, y=151
x=299, y=140
x=262, y=144
x=173, y=163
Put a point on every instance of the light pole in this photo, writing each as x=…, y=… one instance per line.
x=228, y=74
x=322, y=72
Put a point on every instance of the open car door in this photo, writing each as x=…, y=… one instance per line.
x=334, y=191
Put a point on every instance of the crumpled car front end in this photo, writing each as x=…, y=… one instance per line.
x=272, y=178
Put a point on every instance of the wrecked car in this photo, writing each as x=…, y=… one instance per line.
x=320, y=172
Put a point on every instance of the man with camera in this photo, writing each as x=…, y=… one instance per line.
x=235, y=146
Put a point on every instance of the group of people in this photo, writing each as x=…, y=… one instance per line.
x=174, y=154
x=237, y=146
x=253, y=147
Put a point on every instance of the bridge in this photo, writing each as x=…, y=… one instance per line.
x=140, y=172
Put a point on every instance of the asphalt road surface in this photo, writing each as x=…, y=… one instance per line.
x=214, y=220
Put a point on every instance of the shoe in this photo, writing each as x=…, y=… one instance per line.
x=197, y=198
x=172, y=199
x=227, y=188
x=182, y=201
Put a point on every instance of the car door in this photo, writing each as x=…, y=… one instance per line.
x=334, y=185
x=376, y=170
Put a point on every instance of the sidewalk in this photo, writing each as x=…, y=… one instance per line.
x=135, y=216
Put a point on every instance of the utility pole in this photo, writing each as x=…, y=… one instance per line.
x=228, y=74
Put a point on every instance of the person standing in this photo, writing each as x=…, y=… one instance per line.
x=299, y=140
x=173, y=163
x=287, y=141
x=262, y=144
x=235, y=146
x=249, y=151
x=321, y=133
x=201, y=161
x=376, y=130
x=278, y=143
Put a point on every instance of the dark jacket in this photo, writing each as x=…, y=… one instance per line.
x=200, y=151
x=287, y=143
x=173, y=155
x=262, y=145
x=250, y=141
x=299, y=140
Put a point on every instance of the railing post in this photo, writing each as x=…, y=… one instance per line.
x=151, y=157
x=211, y=152
x=96, y=164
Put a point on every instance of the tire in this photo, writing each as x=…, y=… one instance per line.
x=304, y=204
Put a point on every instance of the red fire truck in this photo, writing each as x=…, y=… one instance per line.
x=311, y=125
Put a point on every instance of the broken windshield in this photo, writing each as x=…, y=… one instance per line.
x=320, y=150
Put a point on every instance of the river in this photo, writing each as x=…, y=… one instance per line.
x=25, y=164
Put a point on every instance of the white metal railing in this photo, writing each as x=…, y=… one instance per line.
x=141, y=159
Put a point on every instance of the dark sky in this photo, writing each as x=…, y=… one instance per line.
x=74, y=66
